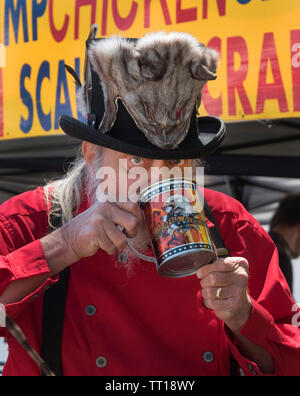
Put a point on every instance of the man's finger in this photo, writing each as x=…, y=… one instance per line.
x=132, y=208
x=117, y=237
x=229, y=264
x=105, y=242
x=221, y=305
x=126, y=220
x=216, y=293
x=218, y=266
x=218, y=279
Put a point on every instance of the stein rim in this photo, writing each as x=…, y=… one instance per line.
x=145, y=192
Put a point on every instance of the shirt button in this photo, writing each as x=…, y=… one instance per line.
x=90, y=310
x=208, y=357
x=101, y=362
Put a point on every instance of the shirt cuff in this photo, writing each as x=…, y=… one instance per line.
x=28, y=261
x=258, y=330
x=245, y=367
x=14, y=308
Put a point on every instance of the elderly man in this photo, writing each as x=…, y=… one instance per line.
x=121, y=317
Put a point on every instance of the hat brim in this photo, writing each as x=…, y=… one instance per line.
x=202, y=140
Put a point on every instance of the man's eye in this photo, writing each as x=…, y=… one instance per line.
x=178, y=162
x=137, y=161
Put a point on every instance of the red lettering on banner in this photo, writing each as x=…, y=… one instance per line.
x=187, y=15
x=165, y=10
x=221, y=7
x=213, y=106
x=124, y=23
x=295, y=56
x=83, y=3
x=236, y=78
x=147, y=14
x=57, y=34
x=275, y=90
x=1, y=106
x=104, y=17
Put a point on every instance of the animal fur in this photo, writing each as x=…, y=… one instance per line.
x=159, y=78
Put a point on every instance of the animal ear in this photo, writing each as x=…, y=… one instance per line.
x=204, y=66
x=152, y=65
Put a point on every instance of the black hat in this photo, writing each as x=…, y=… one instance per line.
x=204, y=136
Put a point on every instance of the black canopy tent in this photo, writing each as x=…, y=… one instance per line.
x=258, y=164
x=27, y=163
x=274, y=144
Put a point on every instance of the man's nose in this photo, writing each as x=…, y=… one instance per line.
x=159, y=163
x=156, y=168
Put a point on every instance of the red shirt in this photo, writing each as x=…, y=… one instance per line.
x=144, y=324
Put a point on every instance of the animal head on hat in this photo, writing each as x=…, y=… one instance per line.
x=159, y=78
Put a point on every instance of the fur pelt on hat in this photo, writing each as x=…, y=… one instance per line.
x=159, y=78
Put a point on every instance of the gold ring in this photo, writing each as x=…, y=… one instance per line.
x=219, y=291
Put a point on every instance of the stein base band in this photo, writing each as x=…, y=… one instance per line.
x=186, y=263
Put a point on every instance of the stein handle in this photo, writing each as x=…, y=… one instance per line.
x=141, y=256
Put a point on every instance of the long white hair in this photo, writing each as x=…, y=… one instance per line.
x=64, y=196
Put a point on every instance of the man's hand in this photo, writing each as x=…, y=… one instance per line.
x=224, y=289
x=97, y=228
x=94, y=229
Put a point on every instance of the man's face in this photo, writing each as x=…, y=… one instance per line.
x=134, y=173
x=123, y=170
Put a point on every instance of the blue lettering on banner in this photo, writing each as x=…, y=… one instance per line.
x=62, y=98
x=45, y=119
x=26, y=124
x=38, y=10
x=14, y=13
x=243, y=1
x=62, y=85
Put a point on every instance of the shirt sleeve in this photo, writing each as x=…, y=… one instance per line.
x=26, y=262
x=274, y=324
x=20, y=263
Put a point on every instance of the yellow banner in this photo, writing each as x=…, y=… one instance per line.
x=259, y=43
